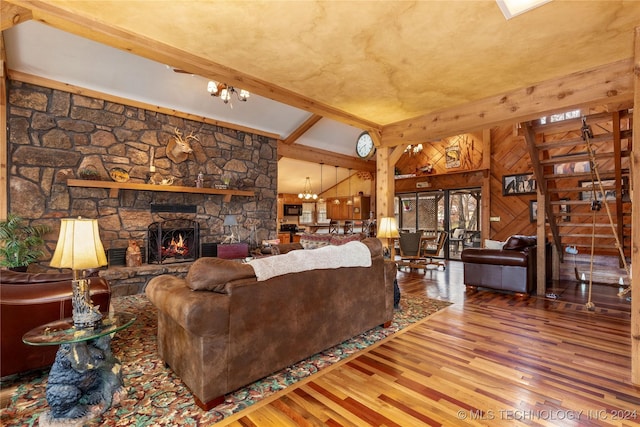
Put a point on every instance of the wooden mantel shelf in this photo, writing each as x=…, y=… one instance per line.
x=115, y=187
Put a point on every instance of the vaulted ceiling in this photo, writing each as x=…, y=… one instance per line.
x=372, y=65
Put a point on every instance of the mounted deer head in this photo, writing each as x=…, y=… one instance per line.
x=179, y=148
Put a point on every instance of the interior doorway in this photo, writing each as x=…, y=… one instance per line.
x=454, y=211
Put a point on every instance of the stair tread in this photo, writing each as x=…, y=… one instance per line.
x=578, y=141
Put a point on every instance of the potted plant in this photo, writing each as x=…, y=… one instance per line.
x=20, y=243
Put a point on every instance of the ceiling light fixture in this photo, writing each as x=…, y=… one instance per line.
x=336, y=201
x=350, y=201
x=413, y=149
x=307, y=194
x=224, y=91
x=321, y=199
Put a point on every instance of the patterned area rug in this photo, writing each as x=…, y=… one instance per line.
x=156, y=397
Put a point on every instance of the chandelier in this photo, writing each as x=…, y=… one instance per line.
x=321, y=199
x=413, y=149
x=336, y=201
x=224, y=91
x=306, y=193
x=350, y=201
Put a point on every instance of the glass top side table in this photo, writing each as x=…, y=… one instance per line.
x=63, y=332
x=86, y=377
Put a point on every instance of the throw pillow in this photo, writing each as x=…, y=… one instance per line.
x=211, y=274
x=517, y=242
x=338, y=240
x=313, y=241
x=493, y=244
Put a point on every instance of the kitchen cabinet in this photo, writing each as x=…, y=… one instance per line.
x=284, y=237
x=361, y=207
x=359, y=210
x=339, y=212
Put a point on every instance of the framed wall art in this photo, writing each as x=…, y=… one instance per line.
x=588, y=193
x=565, y=208
x=572, y=167
x=533, y=210
x=452, y=155
x=513, y=185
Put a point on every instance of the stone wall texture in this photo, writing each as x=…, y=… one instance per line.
x=53, y=135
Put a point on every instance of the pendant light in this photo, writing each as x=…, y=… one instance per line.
x=320, y=198
x=350, y=201
x=336, y=201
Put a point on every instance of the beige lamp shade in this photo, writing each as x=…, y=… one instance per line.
x=388, y=228
x=79, y=246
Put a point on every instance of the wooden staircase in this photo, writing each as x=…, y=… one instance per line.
x=575, y=214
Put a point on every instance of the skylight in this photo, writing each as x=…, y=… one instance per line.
x=511, y=8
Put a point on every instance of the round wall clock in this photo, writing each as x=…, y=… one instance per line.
x=364, y=146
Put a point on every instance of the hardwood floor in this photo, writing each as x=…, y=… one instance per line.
x=489, y=359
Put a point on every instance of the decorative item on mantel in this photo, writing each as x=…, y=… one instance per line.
x=225, y=183
x=200, y=180
x=179, y=148
x=90, y=172
x=134, y=256
x=158, y=179
x=119, y=175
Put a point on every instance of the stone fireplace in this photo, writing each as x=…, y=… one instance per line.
x=173, y=241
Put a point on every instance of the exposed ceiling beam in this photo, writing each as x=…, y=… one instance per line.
x=11, y=15
x=302, y=129
x=165, y=54
x=611, y=83
x=315, y=155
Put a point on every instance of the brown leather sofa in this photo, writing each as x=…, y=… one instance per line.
x=512, y=268
x=30, y=300
x=220, y=328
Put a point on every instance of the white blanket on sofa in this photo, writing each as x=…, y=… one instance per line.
x=352, y=254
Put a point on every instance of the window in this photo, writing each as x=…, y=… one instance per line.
x=573, y=114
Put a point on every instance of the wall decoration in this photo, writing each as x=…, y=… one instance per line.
x=523, y=183
x=572, y=167
x=119, y=175
x=565, y=208
x=452, y=154
x=588, y=194
x=533, y=210
x=179, y=148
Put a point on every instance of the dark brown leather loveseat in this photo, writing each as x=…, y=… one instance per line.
x=30, y=300
x=512, y=268
x=221, y=328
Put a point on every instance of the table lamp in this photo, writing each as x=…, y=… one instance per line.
x=231, y=221
x=388, y=230
x=79, y=248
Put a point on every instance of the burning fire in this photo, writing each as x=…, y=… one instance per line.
x=176, y=247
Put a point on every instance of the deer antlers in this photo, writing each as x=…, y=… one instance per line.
x=185, y=140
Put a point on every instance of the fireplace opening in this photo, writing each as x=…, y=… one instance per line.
x=172, y=241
